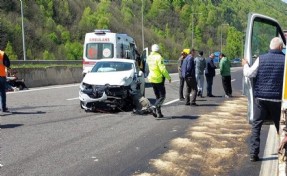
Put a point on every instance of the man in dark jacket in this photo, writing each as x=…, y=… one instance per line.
x=184, y=53
x=209, y=74
x=268, y=71
x=188, y=73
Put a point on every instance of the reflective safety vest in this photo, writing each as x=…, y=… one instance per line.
x=2, y=66
x=157, y=70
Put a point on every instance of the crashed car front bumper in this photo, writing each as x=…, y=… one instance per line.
x=99, y=95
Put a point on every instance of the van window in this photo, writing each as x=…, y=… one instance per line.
x=260, y=43
x=99, y=50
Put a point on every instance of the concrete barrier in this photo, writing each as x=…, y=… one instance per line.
x=36, y=77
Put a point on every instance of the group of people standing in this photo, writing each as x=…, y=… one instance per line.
x=192, y=69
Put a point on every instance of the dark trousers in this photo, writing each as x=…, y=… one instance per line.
x=159, y=91
x=226, y=82
x=3, y=92
x=263, y=109
x=181, y=85
x=191, y=87
x=209, y=83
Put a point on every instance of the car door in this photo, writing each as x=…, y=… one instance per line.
x=144, y=68
x=260, y=30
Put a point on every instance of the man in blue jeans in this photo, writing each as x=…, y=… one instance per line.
x=4, y=64
x=268, y=71
x=188, y=73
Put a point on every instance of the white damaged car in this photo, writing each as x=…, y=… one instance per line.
x=112, y=83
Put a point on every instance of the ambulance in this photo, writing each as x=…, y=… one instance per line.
x=106, y=44
x=260, y=30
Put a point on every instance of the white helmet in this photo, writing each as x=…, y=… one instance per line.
x=155, y=47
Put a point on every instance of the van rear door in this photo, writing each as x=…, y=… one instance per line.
x=260, y=30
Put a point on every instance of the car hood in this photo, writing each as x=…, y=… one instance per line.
x=112, y=78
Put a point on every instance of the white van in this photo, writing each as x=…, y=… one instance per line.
x=105, y=44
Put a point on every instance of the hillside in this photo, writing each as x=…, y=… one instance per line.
x=55, y=29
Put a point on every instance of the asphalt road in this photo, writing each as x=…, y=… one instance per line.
x=48, y=133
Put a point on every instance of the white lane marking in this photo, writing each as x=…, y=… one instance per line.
x=44, y=88
x=175, y=81
x=170, y=102
x=77, y=98
x=270, y=156
x=233, y=80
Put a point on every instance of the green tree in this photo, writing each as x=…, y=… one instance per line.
x=74, y=51
x=48, y=56
x=10, y=52
x=233, y=43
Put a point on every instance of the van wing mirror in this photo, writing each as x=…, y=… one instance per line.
x=127, y=54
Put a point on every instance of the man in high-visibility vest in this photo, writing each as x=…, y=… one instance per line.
x=156, y=76
x=4, y=63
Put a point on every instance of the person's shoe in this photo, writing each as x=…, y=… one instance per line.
x=227, y=96
x=153, y=111
x=193, y=104
x=159, y=115
x=16, y=89
x=5, y=110
x=187, y=104
x=254, y=158
x=181, y=99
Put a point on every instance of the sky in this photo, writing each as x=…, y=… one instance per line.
x=284, y=1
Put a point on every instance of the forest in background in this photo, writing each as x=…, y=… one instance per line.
x=55, y=29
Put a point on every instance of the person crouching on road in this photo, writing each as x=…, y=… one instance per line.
x=188, y=72
x=268, y=71
x=184, y=53
x=156, y=76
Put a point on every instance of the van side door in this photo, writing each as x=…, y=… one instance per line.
x=260, y=30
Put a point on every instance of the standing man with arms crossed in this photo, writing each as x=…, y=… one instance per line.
x=156, y=76
x=188, y=72
x=209, y=74
x=4, y=63
x=184, y=53
x=268, y=71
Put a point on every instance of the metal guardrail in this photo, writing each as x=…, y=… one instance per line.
x=48, y=62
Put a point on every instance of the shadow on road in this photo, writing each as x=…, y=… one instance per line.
x=185, y=117
x=207, y=105
x=24, y=113
x=10, y=126
x=269, y=158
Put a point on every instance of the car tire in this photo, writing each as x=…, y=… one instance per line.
x=81, y=105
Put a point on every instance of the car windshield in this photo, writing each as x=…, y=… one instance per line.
x=112, y=66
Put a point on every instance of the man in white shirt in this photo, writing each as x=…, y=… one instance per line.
x=267, y=71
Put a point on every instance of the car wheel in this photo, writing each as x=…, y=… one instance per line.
x=81, y=105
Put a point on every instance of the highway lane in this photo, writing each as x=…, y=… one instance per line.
x=48, y=134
